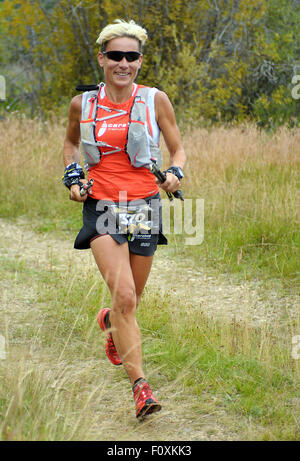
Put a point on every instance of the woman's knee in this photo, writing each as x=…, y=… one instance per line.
x=124, y=300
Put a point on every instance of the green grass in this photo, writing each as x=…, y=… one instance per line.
x=249, y=182
x=247, y=372
x=252, y=380
x=251, y=223
x=251, y=195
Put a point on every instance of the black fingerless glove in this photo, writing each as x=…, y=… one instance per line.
x=176, y=170
x=72, y=175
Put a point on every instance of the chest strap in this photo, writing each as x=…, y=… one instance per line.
x=140, y=146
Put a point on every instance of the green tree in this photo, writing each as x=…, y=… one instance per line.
x=219, y=60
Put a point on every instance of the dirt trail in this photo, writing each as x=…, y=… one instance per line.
x=182, y=417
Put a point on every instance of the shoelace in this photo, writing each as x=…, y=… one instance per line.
x=111, y=344
x=142, y=391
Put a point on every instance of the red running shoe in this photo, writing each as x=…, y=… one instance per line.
x=110, y=348
x=144, y=399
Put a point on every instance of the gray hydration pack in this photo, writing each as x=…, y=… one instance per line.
x=140, y=145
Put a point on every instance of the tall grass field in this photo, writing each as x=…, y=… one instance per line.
x=249, y=181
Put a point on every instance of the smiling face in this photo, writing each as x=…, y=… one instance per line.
x=123, y=73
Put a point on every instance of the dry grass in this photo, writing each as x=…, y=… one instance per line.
x=231, y=373
x=249, y=180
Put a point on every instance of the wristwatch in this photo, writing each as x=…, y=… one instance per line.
x=177, y=171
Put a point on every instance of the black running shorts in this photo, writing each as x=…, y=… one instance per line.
x=142, y=243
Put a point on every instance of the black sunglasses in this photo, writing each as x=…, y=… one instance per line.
x=119, y=55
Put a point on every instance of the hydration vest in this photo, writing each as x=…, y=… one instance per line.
x=140, y=145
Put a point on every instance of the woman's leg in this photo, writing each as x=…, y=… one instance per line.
x=141, y=267
x=126, y=276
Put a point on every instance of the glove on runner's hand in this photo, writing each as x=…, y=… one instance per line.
x=72, y=175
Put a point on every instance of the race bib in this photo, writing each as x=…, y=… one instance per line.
x=132, y=220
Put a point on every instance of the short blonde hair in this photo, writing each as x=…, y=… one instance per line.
x=122, y=28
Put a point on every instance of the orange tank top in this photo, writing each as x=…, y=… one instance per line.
x=114, y=174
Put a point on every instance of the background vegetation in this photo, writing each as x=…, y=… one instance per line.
x=227, y=66
x=250, y=192
x=218, y=377
x=219, y=60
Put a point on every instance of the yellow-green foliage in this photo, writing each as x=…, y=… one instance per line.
x=225, y=60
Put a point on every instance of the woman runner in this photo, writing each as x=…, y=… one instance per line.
x=123, y=190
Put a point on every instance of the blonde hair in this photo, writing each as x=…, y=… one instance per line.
x=122, y=28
